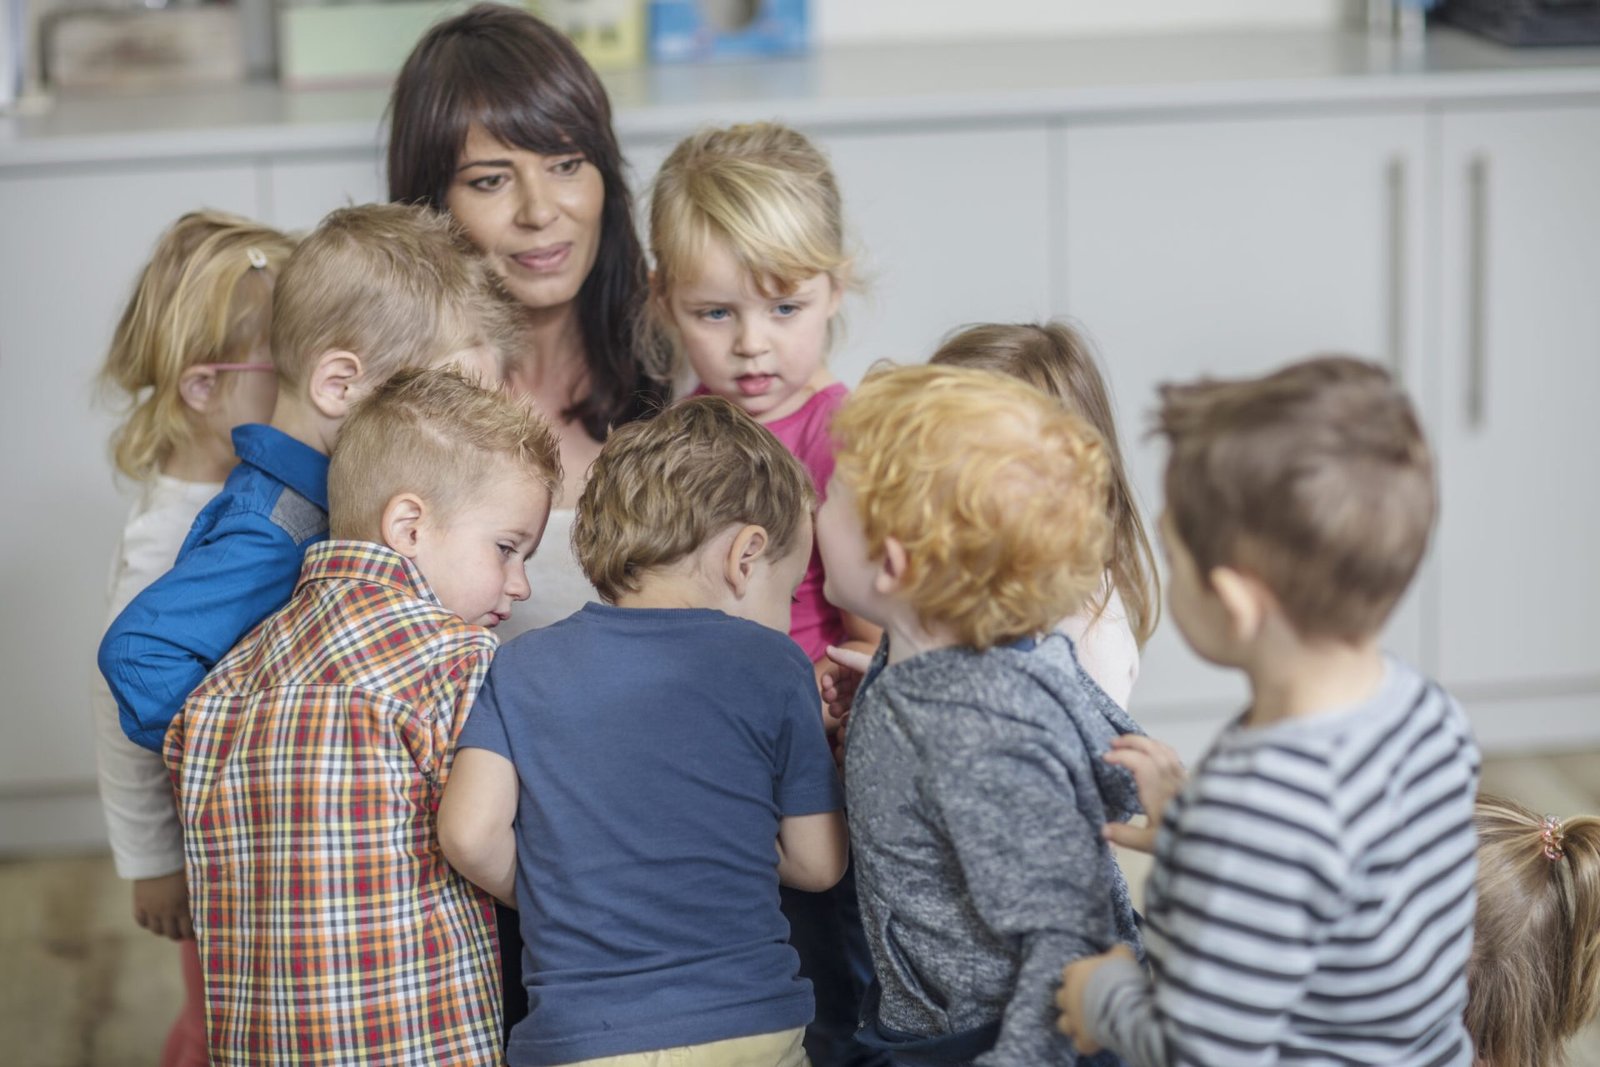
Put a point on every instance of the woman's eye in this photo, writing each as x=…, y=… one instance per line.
x=507, y=550
x=569, y=166
x=488, y=183
x=714, y=314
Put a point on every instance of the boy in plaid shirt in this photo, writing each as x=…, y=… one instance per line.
x=310, y=762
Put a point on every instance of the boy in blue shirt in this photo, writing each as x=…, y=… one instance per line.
x=645, y=773
x=372, y=290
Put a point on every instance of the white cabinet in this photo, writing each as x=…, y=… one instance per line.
x=71, y=244
x=300, y=191
x=1227, y=247
x=1518, y=601
x=949, y=225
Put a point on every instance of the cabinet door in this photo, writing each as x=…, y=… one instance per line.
x=1228, y=247
x=301, y=191
x=949, y=226
x=71, y=244
x=1519, y=358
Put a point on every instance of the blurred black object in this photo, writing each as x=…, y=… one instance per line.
x=1526, y=22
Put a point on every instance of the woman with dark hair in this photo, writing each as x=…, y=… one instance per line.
x=498, y=120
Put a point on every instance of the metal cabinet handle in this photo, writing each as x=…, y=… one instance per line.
x=1477, y=290
x=1395, y=178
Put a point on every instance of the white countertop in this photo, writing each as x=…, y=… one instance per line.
x=852, y=87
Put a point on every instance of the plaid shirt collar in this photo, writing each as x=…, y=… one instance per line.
x=367, y=563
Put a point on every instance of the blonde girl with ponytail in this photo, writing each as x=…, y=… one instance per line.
x=1534, y=977
x=188, y=362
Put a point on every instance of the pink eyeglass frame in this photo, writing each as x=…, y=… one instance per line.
x=236, y=366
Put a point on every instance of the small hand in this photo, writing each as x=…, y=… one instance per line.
x=161, y=905
x=1159, y=774
x=1069, y=997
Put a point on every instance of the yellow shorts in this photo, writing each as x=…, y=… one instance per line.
x=781, y=1049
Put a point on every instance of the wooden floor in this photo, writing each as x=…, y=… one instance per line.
x=82, y=986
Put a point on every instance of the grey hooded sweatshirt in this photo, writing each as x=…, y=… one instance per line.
x=976, y=793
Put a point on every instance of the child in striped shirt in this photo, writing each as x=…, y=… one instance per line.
x=1312, y=895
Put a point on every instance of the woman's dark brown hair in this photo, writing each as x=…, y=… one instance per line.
x=526, y=85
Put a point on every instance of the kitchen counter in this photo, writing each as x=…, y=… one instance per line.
x=855, y=87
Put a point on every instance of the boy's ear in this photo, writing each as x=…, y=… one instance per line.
x=401, y=524
x=1245, y=600
x=748, y=546
x=197, y=387
x=891, y=568
x=333, y=380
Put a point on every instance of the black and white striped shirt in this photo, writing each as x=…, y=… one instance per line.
x=1312, y=896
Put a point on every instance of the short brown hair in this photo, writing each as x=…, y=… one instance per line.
x=1315, y=479
x=435, y=433
x=996, y=492
x=663, y=487
x=1533, y=980
x=1056, y=358
x=398, y=286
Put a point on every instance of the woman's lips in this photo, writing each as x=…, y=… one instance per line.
x=544, y=260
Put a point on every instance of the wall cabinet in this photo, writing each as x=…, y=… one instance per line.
x=1519, y=380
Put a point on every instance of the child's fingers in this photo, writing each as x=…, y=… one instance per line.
x=850, y=659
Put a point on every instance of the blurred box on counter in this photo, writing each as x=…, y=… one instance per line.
x=609, y=33
x=726, y=29
x=344, y=45
x=138, y=48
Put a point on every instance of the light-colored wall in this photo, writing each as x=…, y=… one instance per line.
x=859, y=21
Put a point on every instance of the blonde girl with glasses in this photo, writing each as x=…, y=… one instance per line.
x=189, y=362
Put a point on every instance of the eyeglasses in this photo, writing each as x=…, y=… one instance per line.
x=235, y=366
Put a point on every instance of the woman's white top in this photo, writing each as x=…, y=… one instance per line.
x=558, y=585
x=1106, y=646
x=141, y=818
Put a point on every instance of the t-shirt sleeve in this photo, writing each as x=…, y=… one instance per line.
x=485, y=726
x=806, y=781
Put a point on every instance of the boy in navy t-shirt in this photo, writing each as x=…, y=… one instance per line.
x=664, y=761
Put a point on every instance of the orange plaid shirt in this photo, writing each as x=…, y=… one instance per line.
x=309, y=766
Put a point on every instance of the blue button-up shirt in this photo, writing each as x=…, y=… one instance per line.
x=238, y=565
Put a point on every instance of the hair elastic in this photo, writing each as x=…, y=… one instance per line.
x=258, y=258
x=1553, y=837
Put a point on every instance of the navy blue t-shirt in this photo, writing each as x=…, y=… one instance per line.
x=657, y=750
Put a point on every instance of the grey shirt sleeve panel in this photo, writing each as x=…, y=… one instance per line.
x=1119, y=1012
x=1034, y=871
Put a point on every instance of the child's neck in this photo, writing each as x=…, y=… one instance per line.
x=207, y=459
x=1298, y=679
x=658, y=589
x=909, y=637
x=297, y=418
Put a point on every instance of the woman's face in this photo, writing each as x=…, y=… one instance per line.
x=536, y=217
